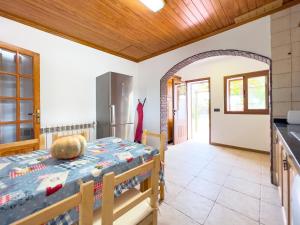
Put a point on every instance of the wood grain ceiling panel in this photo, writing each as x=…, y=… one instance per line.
x=168, y=29
x=134, y=52
x=222, y=17
x=126, y=27
x=210, y=12
x=231, y=8
x=251, y=4
x=243, y=6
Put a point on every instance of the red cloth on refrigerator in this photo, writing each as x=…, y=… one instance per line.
x=139, y=127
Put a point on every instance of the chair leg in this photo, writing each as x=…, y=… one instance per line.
x=161, y=192
x=154, y=216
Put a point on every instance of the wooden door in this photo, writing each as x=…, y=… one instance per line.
x=180, y=113
x=19, y=95
x=170, y=121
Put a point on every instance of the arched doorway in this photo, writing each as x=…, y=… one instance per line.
x=192, y=59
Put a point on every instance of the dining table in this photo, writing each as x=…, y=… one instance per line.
x=31, y=182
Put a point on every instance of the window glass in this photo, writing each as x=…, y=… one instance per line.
x=7, y=110
x=26, y=88
x=235, y=94
x=7, y=61
x=7, y=133
x=26, y=65
x=257, y=92
x=8, y=85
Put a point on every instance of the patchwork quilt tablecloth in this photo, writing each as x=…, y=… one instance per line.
x=31, y=182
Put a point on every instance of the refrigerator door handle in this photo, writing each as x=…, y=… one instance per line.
x=112, y=115
x=113, y=131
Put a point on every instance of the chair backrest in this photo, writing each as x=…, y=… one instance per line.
x=84, y=198
x=19, y=147
x=162, y=142
x=109, y=213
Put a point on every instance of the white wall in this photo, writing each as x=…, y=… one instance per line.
x=68, y=72
x=254, y=37
x=249, y=131
x=68, y=69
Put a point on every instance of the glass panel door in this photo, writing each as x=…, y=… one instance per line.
x=19, y=102
x=198, y=106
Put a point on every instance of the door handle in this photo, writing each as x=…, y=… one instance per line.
x=112, y=115
x=113, y=131
x=285, y=164
x=36, y=114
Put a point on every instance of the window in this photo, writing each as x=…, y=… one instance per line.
x=247, y=93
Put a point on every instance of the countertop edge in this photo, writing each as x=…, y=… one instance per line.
x=290, y=151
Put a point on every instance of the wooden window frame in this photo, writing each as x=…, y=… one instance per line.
x=245, y=77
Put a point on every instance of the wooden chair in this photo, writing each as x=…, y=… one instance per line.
x=162, y=139
x=133, y=206
x=84, y=198
x=19, y=147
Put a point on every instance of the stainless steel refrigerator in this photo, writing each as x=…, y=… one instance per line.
x=114, y=106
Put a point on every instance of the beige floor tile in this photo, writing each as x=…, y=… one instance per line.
x=270, y=195
x=199, y=163
x=205, y=188
x=239, y=202
x=231, y=161
x=266, y=160
x=265, y=170
x=178, y=177
x=249, y=175
x=266, y=181
x=243, y=186
x=213, y=176
x=168, y=215
x=194, y=173
x=270, y=214
x=196, y=206
x=249, y=165
x=171, y=191
x=221, y=215
x=184, y=168
x=219, y=167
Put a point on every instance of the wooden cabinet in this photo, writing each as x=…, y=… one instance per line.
x=278, y=151
x=292, y=174
x=286, y=173
x=285, y=196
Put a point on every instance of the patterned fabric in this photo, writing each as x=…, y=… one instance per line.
x=126, y=185
x=64, y=219
x=21, y=172
x=31, y=182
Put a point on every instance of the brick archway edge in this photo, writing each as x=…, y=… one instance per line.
x=194, y=58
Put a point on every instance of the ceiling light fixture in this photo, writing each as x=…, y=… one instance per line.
x=154, y=5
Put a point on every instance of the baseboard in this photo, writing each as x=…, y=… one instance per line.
x=240, y=148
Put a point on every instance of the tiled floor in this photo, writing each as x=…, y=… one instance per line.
x=218, y=186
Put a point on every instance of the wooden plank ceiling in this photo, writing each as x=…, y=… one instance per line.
x=126, y=27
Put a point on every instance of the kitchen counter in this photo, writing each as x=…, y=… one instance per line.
x=292, y=144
